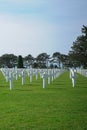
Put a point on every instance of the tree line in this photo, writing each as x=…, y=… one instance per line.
x=43, y=60
x=77, y=57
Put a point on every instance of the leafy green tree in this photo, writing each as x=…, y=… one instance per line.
x=42, y=60
x=78, y=54
x=65, y=60
x=20, y=62
x=29, y=60
x=61, y=59
x=35, y=65
x=8, y=60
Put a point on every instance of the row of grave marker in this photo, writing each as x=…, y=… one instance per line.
x=82, y=72
x=13, y=74
x=73, y=76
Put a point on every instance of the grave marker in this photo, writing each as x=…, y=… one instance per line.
x=44, y=80
x=11, y=80
x=23, y=77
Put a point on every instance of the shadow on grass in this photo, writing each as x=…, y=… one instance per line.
x=81, y=86
x=21, y=89
x=81, y=83
x=4, y=86
x=56, y=88
x=61, y=84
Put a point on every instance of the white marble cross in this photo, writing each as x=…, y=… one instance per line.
x=36, y=74
x=49, y=77
x=23, y=77
x=31, y=75
x=16, y=74
x=11, y=80
x=73, y=76
x=44, y=80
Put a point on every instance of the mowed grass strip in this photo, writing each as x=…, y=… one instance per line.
x=30, y=107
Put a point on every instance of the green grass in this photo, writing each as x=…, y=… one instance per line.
x=30, y=107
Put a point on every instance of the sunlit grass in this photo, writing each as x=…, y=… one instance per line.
x=30, y=107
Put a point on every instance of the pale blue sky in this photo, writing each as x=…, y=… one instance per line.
x=37, y=26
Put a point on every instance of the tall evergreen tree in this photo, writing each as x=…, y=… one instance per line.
x=78, y=54
x=20, y=62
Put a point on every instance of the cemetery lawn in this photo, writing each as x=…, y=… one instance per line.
x=30, y=107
